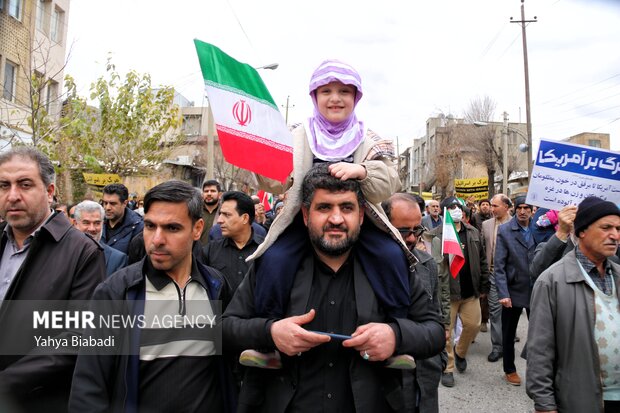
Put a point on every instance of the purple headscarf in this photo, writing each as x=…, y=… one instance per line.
x=331, y=141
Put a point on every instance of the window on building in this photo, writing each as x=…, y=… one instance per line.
x=58, y=21
x=8, y=88
x=52, y=96
x=41, y=15
x=15, y=8
x=595, y=143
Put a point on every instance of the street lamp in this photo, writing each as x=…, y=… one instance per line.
x=271, y=66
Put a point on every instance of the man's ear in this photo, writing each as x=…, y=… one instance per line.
x=305, y=213
x=362, y=213
x=197, y=230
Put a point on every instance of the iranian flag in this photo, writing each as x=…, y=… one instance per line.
x=252, y=132
x=266, y=199
x=451, y=244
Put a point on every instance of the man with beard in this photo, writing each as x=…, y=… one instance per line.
x=335, y=335
x=484, y=213
x=211, y=190
x=121, y=224
x=42, y=258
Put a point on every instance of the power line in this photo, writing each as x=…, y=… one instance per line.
x=580, y=89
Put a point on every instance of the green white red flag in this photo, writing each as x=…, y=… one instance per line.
x=252, y=132
x=451, y=244
x=266, y=199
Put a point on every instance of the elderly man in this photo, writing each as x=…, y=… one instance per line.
x=160, y=373
x=500, y=206
x=404, y=213
x=42, y=258
x=336, y=334
x=514, y=250
x=88, y=216
x=574, y=329
x=433, y=218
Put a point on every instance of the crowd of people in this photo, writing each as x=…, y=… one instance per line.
x=339, y=298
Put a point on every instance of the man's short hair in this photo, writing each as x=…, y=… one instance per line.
x=245, y=205
x=117, y=189
x=400, y=196
x=212, y=182
x=318, y=177
x=484, y=200
x=176, y=192
x=87, y=206
x=46, y=168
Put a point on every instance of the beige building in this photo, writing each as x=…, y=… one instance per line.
x=595, y=140
x=449, y=151
x=33, y=37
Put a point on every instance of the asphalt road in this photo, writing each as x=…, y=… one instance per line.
x=482, y=388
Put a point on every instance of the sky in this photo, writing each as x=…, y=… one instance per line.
x=417, y=59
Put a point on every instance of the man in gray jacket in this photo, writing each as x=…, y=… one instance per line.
x=573, y=366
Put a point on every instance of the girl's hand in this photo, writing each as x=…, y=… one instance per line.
x=345, y=170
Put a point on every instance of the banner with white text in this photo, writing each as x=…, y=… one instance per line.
x=564, y=174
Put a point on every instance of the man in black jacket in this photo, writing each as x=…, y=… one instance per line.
x=42, y=257
x=239, y=240
x=403, y=211
x=175, y=372
x=121, y=223
x=331, y=293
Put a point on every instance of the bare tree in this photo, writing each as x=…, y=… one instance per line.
x=446, y=156
x=482, y=141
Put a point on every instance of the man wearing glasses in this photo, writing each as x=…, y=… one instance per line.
x=404, y=213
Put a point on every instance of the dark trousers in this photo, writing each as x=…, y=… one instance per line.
x=510, y=321
x=484, y=309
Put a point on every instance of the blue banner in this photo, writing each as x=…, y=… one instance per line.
x=579, y=159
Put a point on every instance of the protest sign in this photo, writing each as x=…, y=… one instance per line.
x=472, y=189
x=564, y=174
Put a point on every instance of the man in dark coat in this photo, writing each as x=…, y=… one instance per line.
x=514, y=250
x=174, y=372
x=121, y=223
x=331, y=293
x=404, y=213
x=42, y=257
x=89, y=219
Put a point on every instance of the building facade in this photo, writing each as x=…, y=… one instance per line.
x=33, y=42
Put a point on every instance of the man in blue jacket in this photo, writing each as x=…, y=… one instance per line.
x=514, y=250
x=121, y=223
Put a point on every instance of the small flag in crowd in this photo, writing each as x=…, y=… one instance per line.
x=252, y=132
x=266, y=199
x=451, y=244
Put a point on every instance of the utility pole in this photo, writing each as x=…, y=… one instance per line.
x=528, y=119
x=286, y=110
x=210, y=145
x=505, y=155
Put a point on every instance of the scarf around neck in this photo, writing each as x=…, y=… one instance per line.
x=331, y=141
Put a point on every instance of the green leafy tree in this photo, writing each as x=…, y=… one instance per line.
x=132, y=129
